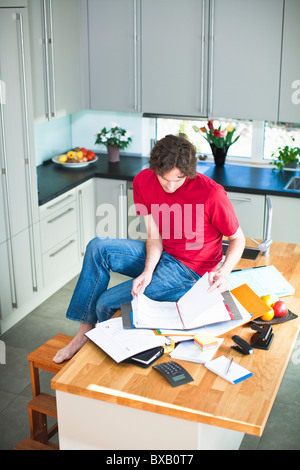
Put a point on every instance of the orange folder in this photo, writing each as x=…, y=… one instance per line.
x=250, y=301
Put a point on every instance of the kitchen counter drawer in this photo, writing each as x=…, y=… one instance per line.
x=60, y=259
x=56, y=204
x=58, y=226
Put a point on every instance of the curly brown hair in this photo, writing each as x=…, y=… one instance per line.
x=173, y=152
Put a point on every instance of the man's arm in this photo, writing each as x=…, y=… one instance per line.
x=154, y=250
x=233, y=254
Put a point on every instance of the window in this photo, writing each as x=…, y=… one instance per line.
x=240, y=149
x=279, y=134
x=258, y=139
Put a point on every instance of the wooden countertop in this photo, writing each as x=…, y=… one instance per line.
x=244, y=407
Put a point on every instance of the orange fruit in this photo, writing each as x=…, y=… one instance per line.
x=268, y=316
x=71, y=154
x=268, y=299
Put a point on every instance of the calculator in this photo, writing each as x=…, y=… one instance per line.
x=174, y=373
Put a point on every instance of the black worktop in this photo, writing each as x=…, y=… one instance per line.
x=54, y=179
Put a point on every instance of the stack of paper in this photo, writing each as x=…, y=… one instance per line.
x=205, y=341
x=188, y=351
x=196, y=308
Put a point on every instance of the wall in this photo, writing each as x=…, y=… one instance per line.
x=79, y=129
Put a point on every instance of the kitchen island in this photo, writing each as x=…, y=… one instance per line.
x=104, y=405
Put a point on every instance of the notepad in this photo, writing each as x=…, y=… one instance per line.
x=188, y=351
x=205, y=341
x=236, y=373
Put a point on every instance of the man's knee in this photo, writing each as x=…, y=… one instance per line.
x=100, y=246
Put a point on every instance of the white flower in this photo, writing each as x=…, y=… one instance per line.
x=104, y=139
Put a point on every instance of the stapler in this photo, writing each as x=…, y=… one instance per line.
x=263, y=338
x=241, y=345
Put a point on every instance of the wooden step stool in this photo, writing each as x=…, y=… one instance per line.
x=30, y=444
x=43, y=404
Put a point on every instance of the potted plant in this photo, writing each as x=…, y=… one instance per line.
x=114, y=139
x=219, y=140
x=286, y=157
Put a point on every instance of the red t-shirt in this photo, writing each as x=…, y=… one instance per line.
x=191, y=221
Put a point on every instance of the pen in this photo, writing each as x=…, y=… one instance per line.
x=247, y=269
x=229, y=367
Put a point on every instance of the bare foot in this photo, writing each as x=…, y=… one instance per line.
x=73, y=347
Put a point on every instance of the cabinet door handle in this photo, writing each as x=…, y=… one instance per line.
x=59, y=202
x=121, y=209
x=80, y=218
x=135, y=39
x=211, y=58
x=60, y=215
x=46, y=58
x=28, y=154
x=202, y=59
x=52, y=255
x=50, y=42
x=240, y=199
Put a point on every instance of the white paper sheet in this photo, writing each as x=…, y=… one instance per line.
x=120, y=344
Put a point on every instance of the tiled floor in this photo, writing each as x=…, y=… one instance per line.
x=281, y=433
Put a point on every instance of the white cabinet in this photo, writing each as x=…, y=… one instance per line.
x=59, y=237
x=20, y=270
x=245, y=55
x=67, y=225
x=289, y=110
x=174, y=56
x=113, y=30
x=56, y=51
x=111, y=210
x=250, y=211
x=285, y=219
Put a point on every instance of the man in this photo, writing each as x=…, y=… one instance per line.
x=186, y=215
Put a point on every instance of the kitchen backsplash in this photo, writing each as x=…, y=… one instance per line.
x=79, y=129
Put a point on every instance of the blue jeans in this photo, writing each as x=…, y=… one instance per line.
x=92, y=301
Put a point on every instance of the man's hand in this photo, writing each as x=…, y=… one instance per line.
x=234, y=252
x=218, y=280
x=154, y=250
x=140, y=283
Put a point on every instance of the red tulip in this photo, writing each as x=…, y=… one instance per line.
x=210, y=124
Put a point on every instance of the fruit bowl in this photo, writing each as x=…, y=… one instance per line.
x=75, y=164
x=77, y=158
